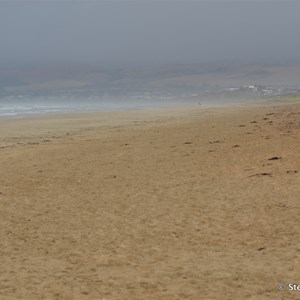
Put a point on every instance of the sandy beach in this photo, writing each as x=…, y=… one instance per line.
x=188, y=203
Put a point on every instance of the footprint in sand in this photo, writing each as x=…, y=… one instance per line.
x=292, y=171
x=261, y=174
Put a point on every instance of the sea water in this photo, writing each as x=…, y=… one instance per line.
x=23, y=109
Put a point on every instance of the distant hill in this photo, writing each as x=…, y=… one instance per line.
x=197, y=76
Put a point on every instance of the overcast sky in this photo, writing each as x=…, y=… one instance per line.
x=133, y=33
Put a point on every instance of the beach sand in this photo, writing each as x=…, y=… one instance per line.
x=193, y=203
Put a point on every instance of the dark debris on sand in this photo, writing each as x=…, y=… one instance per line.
x=275, y=158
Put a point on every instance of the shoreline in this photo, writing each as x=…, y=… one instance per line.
x=26, y=125
x=44, y=126
x=117, y=107
x=136, y=107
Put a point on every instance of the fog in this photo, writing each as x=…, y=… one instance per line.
x=105, y=55
x=141, y=33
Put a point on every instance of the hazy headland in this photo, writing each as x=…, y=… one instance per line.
x=71, y=88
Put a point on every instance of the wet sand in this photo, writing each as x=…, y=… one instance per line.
x=194, y=203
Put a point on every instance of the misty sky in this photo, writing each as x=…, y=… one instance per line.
x=134, y=33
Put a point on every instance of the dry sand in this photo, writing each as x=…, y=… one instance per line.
x=195, y=203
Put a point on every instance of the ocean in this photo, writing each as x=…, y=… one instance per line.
x=27, y=109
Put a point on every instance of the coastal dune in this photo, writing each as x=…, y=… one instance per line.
x=189, y=203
